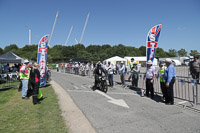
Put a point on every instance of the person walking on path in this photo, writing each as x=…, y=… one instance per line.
x=150, y=76
x=169, y=76
x=195, y=68
x=24, y=76
x=35, y=82
x=161, y=72
x=122, y=73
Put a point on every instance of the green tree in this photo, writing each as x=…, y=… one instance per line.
x=182, y=52
x=1, y=51
x=10, y=48
x=194, y=53
x=160, y=53
x=172, y=52
x=142, y=50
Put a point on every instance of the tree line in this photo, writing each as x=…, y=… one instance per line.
x=59, y=53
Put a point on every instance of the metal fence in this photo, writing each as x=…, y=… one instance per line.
x=185, y=88
x=8, y=80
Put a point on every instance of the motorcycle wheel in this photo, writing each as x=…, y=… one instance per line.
x=105, y=87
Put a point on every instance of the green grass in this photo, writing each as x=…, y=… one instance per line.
x=21, y=116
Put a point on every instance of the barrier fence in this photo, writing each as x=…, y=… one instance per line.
x=8, y=80
x=185, y=88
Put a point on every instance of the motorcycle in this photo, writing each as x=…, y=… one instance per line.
x=102, y=84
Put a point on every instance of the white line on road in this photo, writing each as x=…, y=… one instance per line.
x=119, y=102
x=83, y=87
x=76, y=87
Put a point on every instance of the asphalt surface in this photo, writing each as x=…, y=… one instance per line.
x=138, y=115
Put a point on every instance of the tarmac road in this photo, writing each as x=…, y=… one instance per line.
x=122, y=110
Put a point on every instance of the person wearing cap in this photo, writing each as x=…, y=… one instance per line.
x=24, y=76
x=122, y=73
x=150, y=76
x=169, y=76
x=195, y=68
x=161, y=72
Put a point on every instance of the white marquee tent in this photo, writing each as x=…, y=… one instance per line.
x=114, y=60
x=140, y=60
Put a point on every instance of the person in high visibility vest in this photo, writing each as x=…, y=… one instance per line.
x=161, y=72
x=57, y=67
x=131, y=65
x=24, y=76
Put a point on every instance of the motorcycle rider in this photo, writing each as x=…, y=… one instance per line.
x=98, y=72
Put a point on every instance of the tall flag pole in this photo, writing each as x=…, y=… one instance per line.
x=42, y=59
x=29, y=36
x=84, y=27
x=68, y=36
x=53, y=27
x=152, y=41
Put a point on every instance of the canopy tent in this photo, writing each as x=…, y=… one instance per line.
x=141, y=60
x=114, y=60
x=78, y=60
x=10, y=57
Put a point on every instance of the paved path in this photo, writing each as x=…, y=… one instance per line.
x=140, y=115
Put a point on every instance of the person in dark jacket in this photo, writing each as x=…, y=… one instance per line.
x=195, y=68
x=35, y=82
x=98, y=72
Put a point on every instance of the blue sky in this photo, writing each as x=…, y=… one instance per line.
x=111, y=22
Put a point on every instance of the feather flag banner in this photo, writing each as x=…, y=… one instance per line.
x=152, y=41
x=42, y=59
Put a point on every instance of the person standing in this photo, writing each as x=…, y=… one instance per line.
x=150, y=76
x=195, y=68
x=122, y=73
x=57, y=67
x=35, y=82
x=110, y=74
x=169, y=76
x=24, y=76
x=161, y=72
x=131, y=68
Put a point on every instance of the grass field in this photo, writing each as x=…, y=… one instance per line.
x=19, y=116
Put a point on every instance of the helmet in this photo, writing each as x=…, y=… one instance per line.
x=26, y=61
x=149, y=62
x=99, y=64
x=132, y=58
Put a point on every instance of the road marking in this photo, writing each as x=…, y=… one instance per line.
x=83, y=87
x=76, y=87
x=119, y=102
x=117, y=93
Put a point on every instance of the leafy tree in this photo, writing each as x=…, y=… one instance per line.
x=160, y=53
x=10, y=48
x=194, y=53
x=1, y=51
x=142, y=50
x=172, y=52
x=182, y=52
